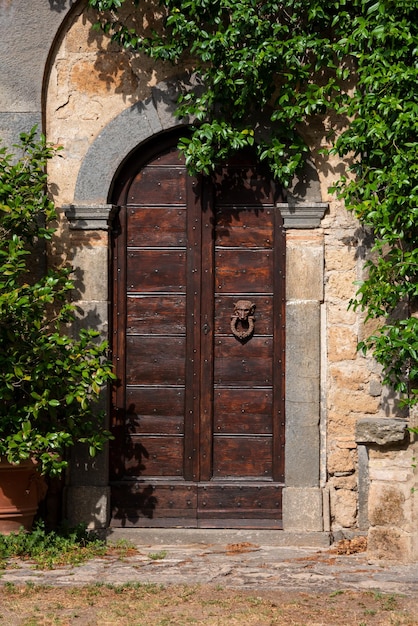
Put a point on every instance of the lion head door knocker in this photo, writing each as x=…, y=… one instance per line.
x=242, y=321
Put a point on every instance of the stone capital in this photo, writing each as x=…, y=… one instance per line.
x=90, y=217
x=302, y=214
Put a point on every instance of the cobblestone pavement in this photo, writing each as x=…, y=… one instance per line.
x=238, y=565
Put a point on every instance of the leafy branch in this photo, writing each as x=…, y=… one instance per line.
x=49, y=381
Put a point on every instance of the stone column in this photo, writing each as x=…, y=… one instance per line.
x=87, y=495
x=302, y=495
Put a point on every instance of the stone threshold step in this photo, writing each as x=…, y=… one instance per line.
x=189, y=536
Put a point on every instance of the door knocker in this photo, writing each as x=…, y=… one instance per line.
x=243, y=316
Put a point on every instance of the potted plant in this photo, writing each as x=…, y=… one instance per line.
x=50, y=380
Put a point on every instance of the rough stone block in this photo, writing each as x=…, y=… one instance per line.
x=88, y=78
x=346, y=443
x=391, y=543
x=342, y=343
x=343, y=400
x=340, y=259
x=341, y=285
x=340, y=422
x=375, y=388
x=344, y=482
x=395, y=474
x=387, y=458
x=340, y=460
x=381, y=431
x=351, y=376
x=338, y=313
x=386, y=505
x=344, y=507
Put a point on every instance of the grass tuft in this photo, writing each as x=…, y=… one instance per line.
x=47, y=550
x=157, y=556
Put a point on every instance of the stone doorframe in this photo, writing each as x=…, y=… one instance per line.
x=304, y=504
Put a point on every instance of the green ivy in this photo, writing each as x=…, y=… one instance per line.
x=285, y=63
x=49, y=381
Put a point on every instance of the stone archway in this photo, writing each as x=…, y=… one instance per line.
x=304, y=499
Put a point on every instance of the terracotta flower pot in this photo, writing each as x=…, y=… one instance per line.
x=21, y=489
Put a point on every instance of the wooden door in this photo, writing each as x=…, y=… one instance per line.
x=198, y=328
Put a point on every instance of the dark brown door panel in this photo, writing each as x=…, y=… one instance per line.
x=198, y=410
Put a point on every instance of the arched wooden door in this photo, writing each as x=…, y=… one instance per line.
x=198, y=412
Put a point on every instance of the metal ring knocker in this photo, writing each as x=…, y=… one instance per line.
x=243, y=316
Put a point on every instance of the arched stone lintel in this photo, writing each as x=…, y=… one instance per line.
x=155, y=115
x=120, y=137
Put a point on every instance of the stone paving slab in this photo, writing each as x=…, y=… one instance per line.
x=238, y=565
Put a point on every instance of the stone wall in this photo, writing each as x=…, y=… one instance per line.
x=388, y=479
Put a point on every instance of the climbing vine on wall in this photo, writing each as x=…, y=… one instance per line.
x=279, y=64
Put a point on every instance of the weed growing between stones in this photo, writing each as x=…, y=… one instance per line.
x=158, y=556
